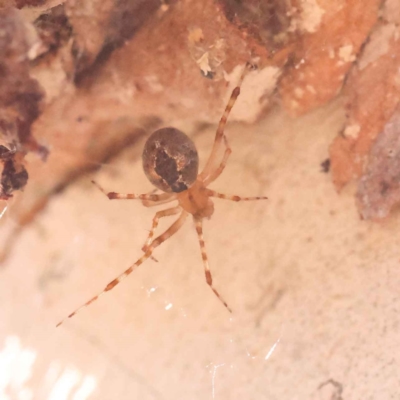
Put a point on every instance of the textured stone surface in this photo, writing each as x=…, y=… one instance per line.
x=373, y=93
x=328, y=45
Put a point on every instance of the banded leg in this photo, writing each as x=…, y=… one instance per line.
x=218, y=171
x=213, y=193
x=199, y=229
x=156, y=242
x=221, y=126
x=159, y=198
x=150, y=203
x=159, y=214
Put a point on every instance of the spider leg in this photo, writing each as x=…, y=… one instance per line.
x=156, y=242
x=150, y=203
x=159, y=214
x=159, y=198
x=213, y=193
x=218, y=171
x=221, y=126
x=199, y=229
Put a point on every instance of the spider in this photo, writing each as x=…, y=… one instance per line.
x=171, y=162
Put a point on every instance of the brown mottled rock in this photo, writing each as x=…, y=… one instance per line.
x=20, y=100
x=379, y=187
x=181, y=64
x=32, y=3
x=267, y=21
x=100, y=26
x=329, y=43
x=53, y=29
x=391, y=11
x=373, y=93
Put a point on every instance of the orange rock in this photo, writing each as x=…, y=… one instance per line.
x=373, y=93
x=330, y=41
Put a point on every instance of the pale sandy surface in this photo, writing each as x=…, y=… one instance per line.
x=315, y=291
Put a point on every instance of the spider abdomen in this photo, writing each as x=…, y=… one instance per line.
x=170, y=160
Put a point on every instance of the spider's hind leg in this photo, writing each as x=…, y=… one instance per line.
x=199, y=229
x=159, y=214
x=155, y=243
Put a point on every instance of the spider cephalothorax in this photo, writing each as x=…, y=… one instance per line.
x=170, y=161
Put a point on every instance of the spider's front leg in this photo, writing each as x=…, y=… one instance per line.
x=156, y=199
x=218, y=171
x=220, y=135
